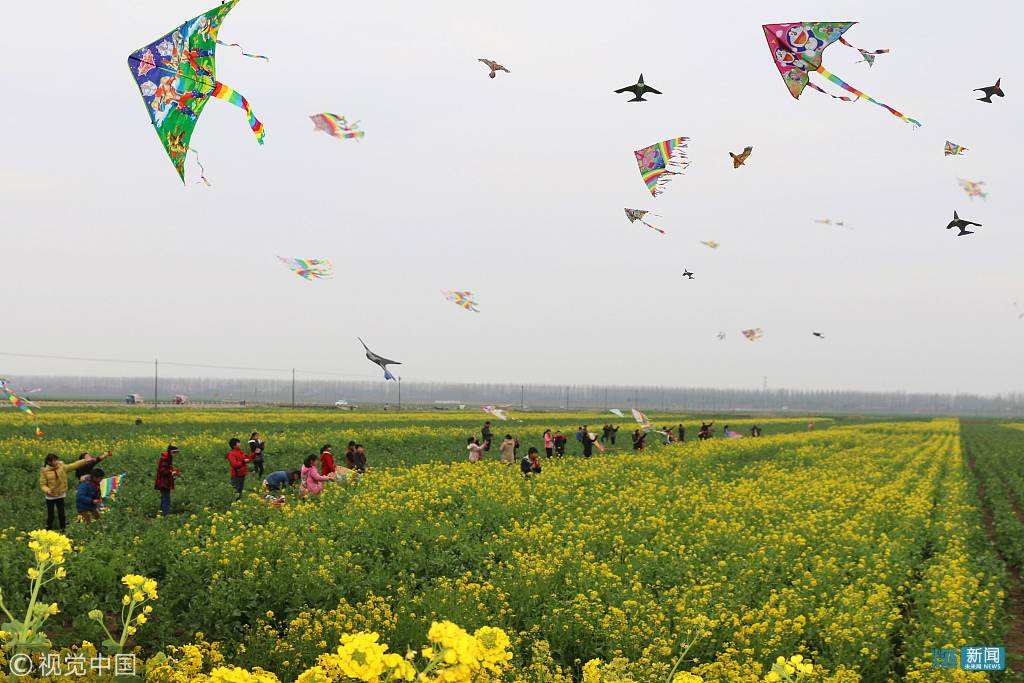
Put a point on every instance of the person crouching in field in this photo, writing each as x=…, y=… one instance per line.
x=239, y=466
x=476, y=451
x=508, y=450
x=53, y=482
x=312, y=480
x=275, y=483
x=87, y=497
x=166, y=473
x=530, y=464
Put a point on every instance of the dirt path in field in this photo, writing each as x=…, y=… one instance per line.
x=1015, y=596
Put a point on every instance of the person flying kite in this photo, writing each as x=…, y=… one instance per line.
x=659, y=162
x=176, y=76
x=379, y=360
x=463, y=299
x=336, y=126
x=797, y=49
x=637, y=215
x=309, y=269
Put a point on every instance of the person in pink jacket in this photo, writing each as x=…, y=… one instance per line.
x=312, y=480
x=549, y=443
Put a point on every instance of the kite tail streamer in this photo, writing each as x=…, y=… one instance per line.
x=865, y=53
x=825, y=92
x=652, y=227
x=849, y=88
x=202, y=170
x=242, y=50
x=223, y=92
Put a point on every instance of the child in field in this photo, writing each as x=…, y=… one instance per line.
x=166, y=473
x=508, y=450
x=257, y=448
x=312, y=480
x=638, y=440
x=239, y=466
x=612, y=431
x=276, y=481
x=475, y=449
x=350, y=455
x=549, y=443
x=530, y=464
x=360, y=458
x=87, y=498
x=53, y=482
x=326, y=460
x=559, y=442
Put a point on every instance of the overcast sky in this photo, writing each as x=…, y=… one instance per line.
x=514, y=188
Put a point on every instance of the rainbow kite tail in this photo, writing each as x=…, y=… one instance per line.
x=849, y=88
x=223, y=92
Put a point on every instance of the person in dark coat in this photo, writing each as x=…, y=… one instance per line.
x=530, y=464
x=166, y=473
x=681, y=430
x=588, y=444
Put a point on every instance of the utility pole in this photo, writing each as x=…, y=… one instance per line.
x=567, y=398
x=606, y=398
x=293, y=387
x=399, y=393
x=522, y=397
x=156, y=380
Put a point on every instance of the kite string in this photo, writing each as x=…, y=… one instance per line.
x=849, y=88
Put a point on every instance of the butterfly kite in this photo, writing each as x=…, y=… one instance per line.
x=637, y=215
x=952, y=149
x=309, y=269
x=752, y=335
x=710, y=244
x=176, y=75
x=641, y=420
x=463, y=299
x=659, y=162
x=972, y=188
x=336, y=126
x=797, y=48
x=616, y=411
x=496, y=412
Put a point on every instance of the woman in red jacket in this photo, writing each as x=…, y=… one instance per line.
x=166, y=473
x=327, y=466
x=239, y=466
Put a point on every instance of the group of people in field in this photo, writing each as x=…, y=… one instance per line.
x=554, y=442
x=311, y=476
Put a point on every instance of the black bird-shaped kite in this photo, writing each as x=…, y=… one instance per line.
x=639, y=89
x=990, y=91
x=819, y=335
x=961, y=225
x=379, y=360
x=687, y=274
x=494, y=67
x=741, y=158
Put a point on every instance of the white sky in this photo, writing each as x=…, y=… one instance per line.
x=514, y=188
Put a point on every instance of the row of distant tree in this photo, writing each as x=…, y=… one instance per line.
x=444, y=394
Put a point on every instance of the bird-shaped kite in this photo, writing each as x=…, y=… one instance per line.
x=752, y=334
x=309, y=269
x=658, y=162
x=741, y=158
x=797, y=49
x=637, y=215
x=961, y=225
x=176, y=76
x=494, y=67
x=952, y=149
x=819, y=335
x=336, y=126
x=687, y=274
x=711, y=244
x=990, y=91
x=639, y=89
x=973, y=188
x=463, y=299
x=379, y=360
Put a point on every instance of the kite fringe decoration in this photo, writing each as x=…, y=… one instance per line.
x=202, y=170
x=660, y=161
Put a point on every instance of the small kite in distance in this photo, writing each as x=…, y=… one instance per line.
x=953, y=149
x=961, y=225
x=659, y=162
x=637, y=215
x=687, y=274
x=494, y=67
x=829, y=221
x=741, y=158
x=336, y=126
x=869, y=55
x=496, y=412
x=973, y=188
x=990, y=91
x=819, y=335
x=752, y=334
x=616, y=411
x=379, y=360
x=309, y=269
x=710, y=244
x=638, y=89
x=463, y=299
x=721, y=336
